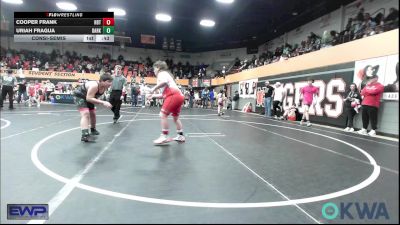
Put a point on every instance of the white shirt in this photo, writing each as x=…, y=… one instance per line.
x=50, y=86
x=279, y=93
x=142, y=89
x=164, y=76
x=219, y=96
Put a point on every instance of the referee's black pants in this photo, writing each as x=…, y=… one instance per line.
x=4, y=91
x=115, y=100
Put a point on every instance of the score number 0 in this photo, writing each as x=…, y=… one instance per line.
x=108, y=21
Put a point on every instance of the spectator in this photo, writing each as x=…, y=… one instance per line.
x=235, y=100
x=32, y=92
x=379, y=23
x=221, y=98
x=134, y=94
x=358, y=24
x=372, y=94
x=360, y=15
x=349, y=25
x=291, y=114
x=335, y=37
x=191, y=97
x=212, y=98
x=269, y=90
x=125, y=94
x=40, y=92
x=197, y=99
x=228, y=103
x=315, y=41
x=348, y=33
x=49, y=89
x=143, y=88
x=278, y=95
x=204, y=97
x=144, y=93
x=392, y=19
x=237, y=62
x=368, y=26
x=326, y=40
x=302, y=48
x=22, y=91
x=352, y=100
x=186, y=93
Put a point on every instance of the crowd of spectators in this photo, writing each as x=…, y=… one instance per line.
x=77, y=63
x=363, y=25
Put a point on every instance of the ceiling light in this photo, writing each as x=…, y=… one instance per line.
x=66, y=6
x=163, y=17
x=226, y=1
x=207, y=23
x=117, y=11
x=17, y=2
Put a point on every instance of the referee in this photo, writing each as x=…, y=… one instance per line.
x=118, y=85
x=8, y=83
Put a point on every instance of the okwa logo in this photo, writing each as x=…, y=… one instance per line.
x=351, y=210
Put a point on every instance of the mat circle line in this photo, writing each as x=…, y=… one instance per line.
x=373, y=176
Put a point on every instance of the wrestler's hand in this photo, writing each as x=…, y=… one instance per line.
x=107, y=105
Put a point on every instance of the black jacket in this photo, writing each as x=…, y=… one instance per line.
x=236, y=97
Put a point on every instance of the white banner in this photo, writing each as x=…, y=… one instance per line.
x=248, y=88
x=391, y=81
x=386, y=68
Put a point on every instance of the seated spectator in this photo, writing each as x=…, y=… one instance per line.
x=308, y=46
x=349, y=25
x=315, y=41
x=368, y=25
x=378, y=19
x=348, y=33
x=326, y=40
x=286, y=50
x=237, y=62
x=291, y=114
x=302, y=48
x=357, y=22
x=335, y=37
x=392, y=20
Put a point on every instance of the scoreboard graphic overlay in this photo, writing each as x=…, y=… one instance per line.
x=64, y=26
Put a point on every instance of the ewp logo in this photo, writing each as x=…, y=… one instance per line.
x=27, y=211
x=375, y=211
